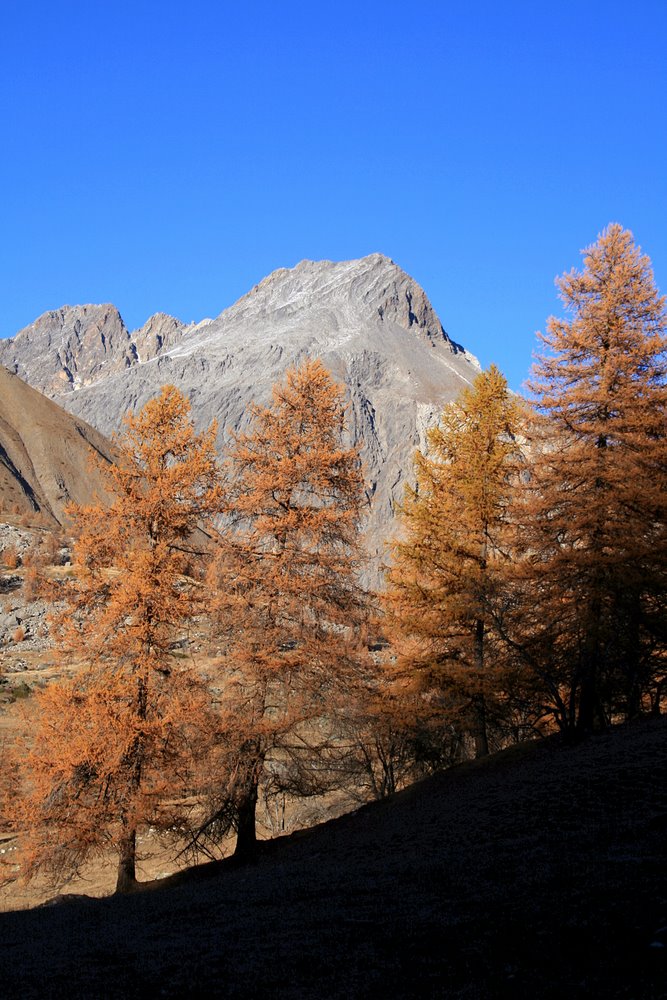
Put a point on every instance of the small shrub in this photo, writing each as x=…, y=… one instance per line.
x=35, y=585
x=10, y=557
x=32, y=557
x=19, y=634
x=52, y=548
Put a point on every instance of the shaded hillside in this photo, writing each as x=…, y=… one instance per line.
x=45, y=454
x=536, y=873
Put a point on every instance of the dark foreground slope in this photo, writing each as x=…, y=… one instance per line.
x=538, y=873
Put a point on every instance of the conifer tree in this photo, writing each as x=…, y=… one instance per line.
x=119, y=739
x=288, y=597
x=443, y=583
x=596, y=518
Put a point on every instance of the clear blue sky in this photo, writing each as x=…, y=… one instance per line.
x=167, y=156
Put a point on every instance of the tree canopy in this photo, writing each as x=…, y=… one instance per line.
x=597, y=500
x=115, y=743
x=447, y=569
x=528, y=581
x=287, y=595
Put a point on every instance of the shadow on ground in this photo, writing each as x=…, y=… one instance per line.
x=539, y=873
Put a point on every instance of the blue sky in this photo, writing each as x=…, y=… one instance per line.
x=167, y=156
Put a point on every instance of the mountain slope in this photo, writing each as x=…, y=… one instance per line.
x=369, y=322
x=45, y=453
x=536, y=873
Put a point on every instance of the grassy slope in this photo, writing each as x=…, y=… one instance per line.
x=537, y=873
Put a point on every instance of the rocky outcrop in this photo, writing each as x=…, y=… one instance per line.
x=68, y=348
x=368, y=321
x=158, y=334
x=76, y=346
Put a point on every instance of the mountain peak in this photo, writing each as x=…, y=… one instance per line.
x=69, y=347
x=160, y=332
x=370, y=323
x=371, y=259
x=371, y=289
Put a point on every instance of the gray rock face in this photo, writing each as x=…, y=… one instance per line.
x=158, y=334
x=76, y=346
x=69, y=348
x=370, y=323
x=32, y=617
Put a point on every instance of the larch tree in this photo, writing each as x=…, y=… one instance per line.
x=443, y=584
x=114, y=745
x=288, y=597
x=596, y=518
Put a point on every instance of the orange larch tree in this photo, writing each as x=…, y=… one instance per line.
x=596, y=516
x=443, y=587
x=114, y=743
x=288, y=598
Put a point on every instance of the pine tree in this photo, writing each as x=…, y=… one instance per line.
x=288, y=598
x=596, y=526
x=113, y=744
x=443, y=584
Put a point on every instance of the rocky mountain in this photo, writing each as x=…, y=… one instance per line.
x=44, y=454
x=76, y=346
x=368, y=321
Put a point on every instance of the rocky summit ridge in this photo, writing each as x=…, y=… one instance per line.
x=68, y=348
x=370, y=323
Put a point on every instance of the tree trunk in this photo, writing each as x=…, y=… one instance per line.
x=478, y=706
x=127, y=872
x=587, y=699
x=632, y=663
x=246, y=835
x=127, y=861
x=479, y=733
x=590, y=666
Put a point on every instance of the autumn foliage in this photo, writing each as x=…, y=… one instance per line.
x=595, y=515
x=287, y=599
x=526, y=589
x=113, y=742
x=534, y=578
x=445, y=587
